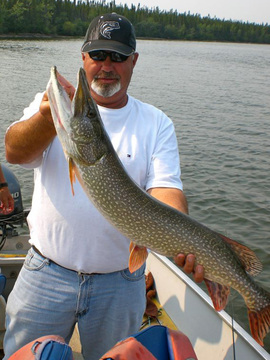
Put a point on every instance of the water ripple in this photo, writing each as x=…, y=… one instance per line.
x=218, y=98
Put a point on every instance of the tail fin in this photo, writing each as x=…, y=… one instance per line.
x=259, y=322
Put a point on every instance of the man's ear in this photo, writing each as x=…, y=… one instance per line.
x=135, y=58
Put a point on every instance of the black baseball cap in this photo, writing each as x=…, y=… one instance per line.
x=110, y=32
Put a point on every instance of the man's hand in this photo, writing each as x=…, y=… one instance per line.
x=6, y=201
x=45, y=109
x=188, y=263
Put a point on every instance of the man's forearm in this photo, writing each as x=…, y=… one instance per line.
x=171, y=196
x=26, y=140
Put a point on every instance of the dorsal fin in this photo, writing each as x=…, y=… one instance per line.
x=246, y=256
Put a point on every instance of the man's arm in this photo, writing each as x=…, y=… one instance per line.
x=26, y=140
x=176, y=198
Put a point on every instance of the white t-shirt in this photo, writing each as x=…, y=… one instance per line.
x=68, y=229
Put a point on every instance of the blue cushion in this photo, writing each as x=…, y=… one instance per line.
x=154, y=338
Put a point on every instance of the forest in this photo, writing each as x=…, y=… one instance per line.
x=52, y=18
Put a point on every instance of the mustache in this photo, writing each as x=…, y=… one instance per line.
x=106, y=75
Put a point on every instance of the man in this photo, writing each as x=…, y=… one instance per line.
x=76, y=270
x=6, y=199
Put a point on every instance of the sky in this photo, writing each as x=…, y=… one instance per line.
x=253, y=11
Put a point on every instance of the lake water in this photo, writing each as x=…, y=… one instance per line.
x=218, y=97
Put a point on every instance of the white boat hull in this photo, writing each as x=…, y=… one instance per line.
x=191, y=309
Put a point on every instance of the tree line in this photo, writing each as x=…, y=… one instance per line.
x=71, y=18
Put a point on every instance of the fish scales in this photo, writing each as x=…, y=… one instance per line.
x=143, y=219
x=150, y=230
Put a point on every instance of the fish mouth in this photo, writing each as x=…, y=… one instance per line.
x=59, y=99
x=82, y=95
x=75, y=120
x=62, y=107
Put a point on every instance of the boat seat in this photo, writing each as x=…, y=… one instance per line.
x=2, y=283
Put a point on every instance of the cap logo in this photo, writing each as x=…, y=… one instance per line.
x=107, y=27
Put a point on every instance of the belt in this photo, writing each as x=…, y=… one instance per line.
x=77, y=272
x=38, y=252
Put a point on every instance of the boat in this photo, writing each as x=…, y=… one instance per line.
x=182, y=304
x=214, y=335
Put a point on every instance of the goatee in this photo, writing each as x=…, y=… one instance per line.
x=106, y=90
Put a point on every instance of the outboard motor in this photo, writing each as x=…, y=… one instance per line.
x=17, y=216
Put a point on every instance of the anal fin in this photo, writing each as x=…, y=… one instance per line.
x=218, y=293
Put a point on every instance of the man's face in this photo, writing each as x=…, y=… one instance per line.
x=109, y=80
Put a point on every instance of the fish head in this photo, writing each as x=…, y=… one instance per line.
x=77, y=121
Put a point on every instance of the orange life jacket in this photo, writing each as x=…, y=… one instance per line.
x=44, y=348
x=154, y=343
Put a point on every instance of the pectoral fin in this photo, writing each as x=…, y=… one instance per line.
x=218, y=293
x=137, y=257
x=72, y=177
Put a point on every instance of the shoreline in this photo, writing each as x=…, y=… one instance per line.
x=38, y=36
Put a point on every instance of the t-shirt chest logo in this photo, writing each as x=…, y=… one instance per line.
x=107, y=27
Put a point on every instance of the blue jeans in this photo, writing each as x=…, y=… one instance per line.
x=49, y=299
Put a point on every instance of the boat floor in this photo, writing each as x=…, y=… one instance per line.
x=162, y=319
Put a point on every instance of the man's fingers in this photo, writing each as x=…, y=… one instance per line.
x=45, y=109
x=188, y=263
x=180, y=260
x=199, y=273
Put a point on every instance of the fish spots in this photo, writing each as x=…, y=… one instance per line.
x=148, y=222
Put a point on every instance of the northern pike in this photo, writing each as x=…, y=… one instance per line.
x=148, y=222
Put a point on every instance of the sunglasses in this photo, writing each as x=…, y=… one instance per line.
x=100, y=55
